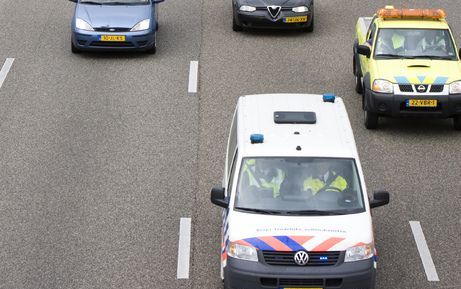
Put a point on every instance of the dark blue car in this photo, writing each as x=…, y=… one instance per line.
x=115, y=25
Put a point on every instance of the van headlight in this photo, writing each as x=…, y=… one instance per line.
x=143, y=25
x=246, y=8
x=455, y=87
x=383, y=86
x=242, y=252
x=358, y=253
x=300, y=9
x=83, y=25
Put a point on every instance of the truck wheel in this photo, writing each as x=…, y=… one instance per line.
x=371, y=120
x=358, y=84
x=358, y=77
x=457, y=122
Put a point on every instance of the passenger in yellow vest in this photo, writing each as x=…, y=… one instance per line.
x=327, y=179
x=260, y=174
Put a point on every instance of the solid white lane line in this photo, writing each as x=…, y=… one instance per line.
x=184, y=248
x=424, y=252
x=193, y=77
x=5, y=69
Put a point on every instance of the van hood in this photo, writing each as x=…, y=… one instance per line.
x=120, y=16
x=293, y=233
x=418, y=71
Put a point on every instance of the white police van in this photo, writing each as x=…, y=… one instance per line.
x=296, y=210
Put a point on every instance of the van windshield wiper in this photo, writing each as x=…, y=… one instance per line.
x=91, y=2
x=262, y=211
x=317, y=213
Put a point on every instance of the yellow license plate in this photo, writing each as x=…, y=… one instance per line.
x=296, y=19
x=421, y=103
x=116, y=38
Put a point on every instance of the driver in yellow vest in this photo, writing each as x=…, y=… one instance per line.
x=261, y=174
x=326, y=179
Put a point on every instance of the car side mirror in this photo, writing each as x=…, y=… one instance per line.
x=157, y=1
x=75, y=1
x=364, y=50
x=218, y=197
x=380, y=198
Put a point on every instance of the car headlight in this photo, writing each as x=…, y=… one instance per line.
x=383, y=86
x=83, y=25
x=455, y=87
x=358, y=253
x=143, y=25
x=300, y=9
x=242, y=252
x=246, y=8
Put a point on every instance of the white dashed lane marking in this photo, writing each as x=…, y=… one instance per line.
x=5, y=69
x=193, y=77
x=184, y=248
x=424, y=252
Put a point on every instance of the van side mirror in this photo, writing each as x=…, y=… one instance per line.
x=380, y=198
x=364, y=50
x=218, y=197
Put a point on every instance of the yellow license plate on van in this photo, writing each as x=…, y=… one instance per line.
x=296, y=19
x=115, y=38
x=422, y=103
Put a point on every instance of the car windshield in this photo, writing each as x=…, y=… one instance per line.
x=299, y=186
x=115, y=2
x=414, y=43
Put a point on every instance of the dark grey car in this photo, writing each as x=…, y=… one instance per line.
x=273, y=14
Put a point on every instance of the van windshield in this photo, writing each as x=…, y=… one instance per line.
x=299, y=186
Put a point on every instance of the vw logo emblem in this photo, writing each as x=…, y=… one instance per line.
x=301, y=258
x=421, y=88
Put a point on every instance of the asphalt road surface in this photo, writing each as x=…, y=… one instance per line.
x=102, y=154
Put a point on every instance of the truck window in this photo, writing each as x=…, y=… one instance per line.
x=371, y=34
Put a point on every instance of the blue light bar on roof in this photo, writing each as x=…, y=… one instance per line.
x=256, y=138
x=329, y=97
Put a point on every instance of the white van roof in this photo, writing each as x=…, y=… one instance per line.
x=330, y=136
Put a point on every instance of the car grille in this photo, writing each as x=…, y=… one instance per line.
x=315, y=258
x=300, y=282
x=406, y=87
x=437, y=88
x=111, y=44
x=112, y=29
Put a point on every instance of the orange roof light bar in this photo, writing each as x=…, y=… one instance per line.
x=391, y=13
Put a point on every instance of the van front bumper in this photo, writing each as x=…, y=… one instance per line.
x=394, y=105
x=239, y=274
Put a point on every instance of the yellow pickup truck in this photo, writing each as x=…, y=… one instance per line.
x=406, y=64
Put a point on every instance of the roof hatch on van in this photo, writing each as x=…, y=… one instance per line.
x=295, y=117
